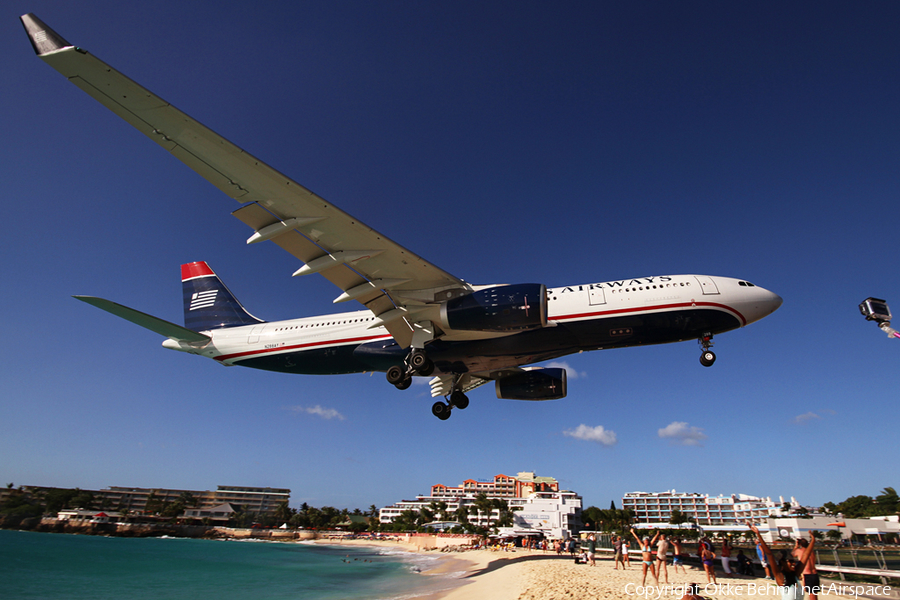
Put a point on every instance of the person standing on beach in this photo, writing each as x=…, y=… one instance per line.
x=646, y=556
x=811, y=583
x=708, y=557
x=662, y=547
x=626, y=560
x=726, y=557
x=591, y=549
x=678, y=557
x=618, y=543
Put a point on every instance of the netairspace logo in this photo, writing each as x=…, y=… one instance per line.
x=752, y=589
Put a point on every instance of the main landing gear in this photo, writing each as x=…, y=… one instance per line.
x=416, y=363
x=456, y=400
x=707, y=357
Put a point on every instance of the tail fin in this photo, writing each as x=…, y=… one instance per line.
x=208, y=304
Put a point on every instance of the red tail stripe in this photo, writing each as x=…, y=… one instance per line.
x=195, y=269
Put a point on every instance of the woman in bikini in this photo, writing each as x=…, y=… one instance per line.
x=708, y=558
x=646, y=556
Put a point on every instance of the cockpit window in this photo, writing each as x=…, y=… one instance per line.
x=746, y=284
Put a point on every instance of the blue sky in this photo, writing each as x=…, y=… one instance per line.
x=505, y=142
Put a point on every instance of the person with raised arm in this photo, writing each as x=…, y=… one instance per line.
x=646, y=556
x=788, y=570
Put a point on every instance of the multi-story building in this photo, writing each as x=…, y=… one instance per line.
x=655, y=509
x=134, y=500
x=501, y=486
x=516, y=491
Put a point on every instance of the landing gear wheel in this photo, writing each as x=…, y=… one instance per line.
x=418, y=360
x=459, y=400
x=707, y=358
x=395, y=375
x=403, y=383
x=441, y=410
x=426, y=369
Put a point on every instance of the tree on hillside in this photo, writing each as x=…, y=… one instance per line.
x=887, y=501
x=856, y=507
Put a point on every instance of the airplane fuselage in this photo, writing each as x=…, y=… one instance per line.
x=613, y=314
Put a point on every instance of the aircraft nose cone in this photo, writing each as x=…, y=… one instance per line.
x=764, y=304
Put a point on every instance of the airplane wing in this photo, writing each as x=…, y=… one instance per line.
x=385, y=277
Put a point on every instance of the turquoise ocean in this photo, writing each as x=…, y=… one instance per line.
x=81, y=567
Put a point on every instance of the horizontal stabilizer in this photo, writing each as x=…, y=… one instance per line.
x=170, y=330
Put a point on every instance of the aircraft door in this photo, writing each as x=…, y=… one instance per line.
x=596, y=295
x=254, y=333
x=707, y=285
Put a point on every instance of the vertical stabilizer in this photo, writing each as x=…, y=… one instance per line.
x=208, y=304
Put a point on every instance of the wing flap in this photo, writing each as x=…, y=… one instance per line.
x=442, y=385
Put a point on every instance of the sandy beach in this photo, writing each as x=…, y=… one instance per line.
x=526, y=575
x=535, y=575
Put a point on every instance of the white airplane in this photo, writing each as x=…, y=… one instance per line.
x=418, y=319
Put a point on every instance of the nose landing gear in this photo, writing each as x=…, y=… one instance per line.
x=707, y=357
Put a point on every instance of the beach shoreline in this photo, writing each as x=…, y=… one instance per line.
x=538, y=575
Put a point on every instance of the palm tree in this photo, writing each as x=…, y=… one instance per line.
x=484, y=507
x=283, y=512
x=462, y=514
x=425, y=516
x=439, y=507
x=888, y=501
x=504, y=515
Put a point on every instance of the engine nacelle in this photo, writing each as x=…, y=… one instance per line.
x=498, y=308
x=533, y=384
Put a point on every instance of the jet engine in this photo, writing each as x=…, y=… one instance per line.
x=533, y=384
x=500, y=308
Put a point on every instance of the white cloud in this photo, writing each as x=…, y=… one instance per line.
x=570, y=372
x=682, y=434
x=593, y=434
x=806, y=417
x=325, y=413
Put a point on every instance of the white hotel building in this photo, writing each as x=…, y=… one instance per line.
x=537, y=502
x=729, y=514
x=711, y=512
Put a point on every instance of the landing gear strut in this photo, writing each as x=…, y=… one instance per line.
x=707, y=357
x=416, y=363
x=456, y=399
